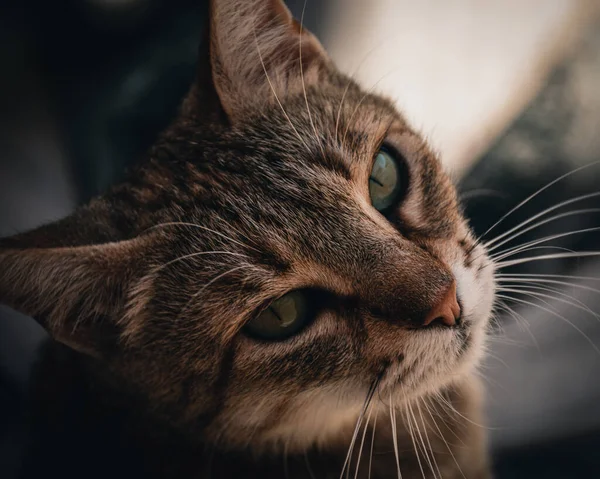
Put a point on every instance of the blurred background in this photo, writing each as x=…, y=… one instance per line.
x=508, y=92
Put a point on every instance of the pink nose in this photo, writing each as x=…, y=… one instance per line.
x=447, y=311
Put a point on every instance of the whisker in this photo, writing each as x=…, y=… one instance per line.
x=395, y=436
x=193, y=255
x=528, y=292
x=308, y=468
x=317, y=137
x=372, y=443
x=337, y=120
x=525, y=249
x=232, y=228
x=412, y=438
x=443, y=439
x=530, y=303
x=362, y=441
x=540, y=214
x=449, y=410
x=418, y=406
x=521, y=321
x=349, y=83
x=210, y=230
x=422, y=441
x=212, y=281
x=490, y=381
x=547, y=275
x=364, y=97
x=262, y=62
x=536, y=193
x=550, y=238
x=543, y=222
x=578, y=254
x=538, y=281
x=458, y=413
x=525, y=293
x=368, y=399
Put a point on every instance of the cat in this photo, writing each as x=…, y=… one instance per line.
x=284, y=287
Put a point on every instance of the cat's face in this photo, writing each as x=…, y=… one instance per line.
x=271, y=212
x=258, y=285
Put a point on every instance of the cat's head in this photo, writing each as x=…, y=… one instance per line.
x=289, y=243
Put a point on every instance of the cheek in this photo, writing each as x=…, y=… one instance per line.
x=267, y=418
x=319, y=363
x=327, y=350
x=297, y=392
x=316, y=416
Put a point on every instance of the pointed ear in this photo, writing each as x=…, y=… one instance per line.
x=77, y=293
x=258, y=51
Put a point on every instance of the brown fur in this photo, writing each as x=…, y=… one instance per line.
x=258, y=188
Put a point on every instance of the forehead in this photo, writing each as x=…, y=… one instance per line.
x=329, y=131
x=326, y=142
x=303, y=166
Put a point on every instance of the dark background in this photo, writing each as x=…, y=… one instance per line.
x=84, y=90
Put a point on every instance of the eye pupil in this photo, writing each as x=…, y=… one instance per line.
x=284, y=317
x=285, y=310
x=376, y=181
x=384, y=182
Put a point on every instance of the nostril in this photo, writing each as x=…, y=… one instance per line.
x=447, y=311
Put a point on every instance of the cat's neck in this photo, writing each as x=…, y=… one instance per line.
x=81, y=424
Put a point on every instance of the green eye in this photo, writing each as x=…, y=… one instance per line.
x=283, y=318
x=385, y=183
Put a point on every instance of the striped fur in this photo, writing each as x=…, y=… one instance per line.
x=258, y=188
